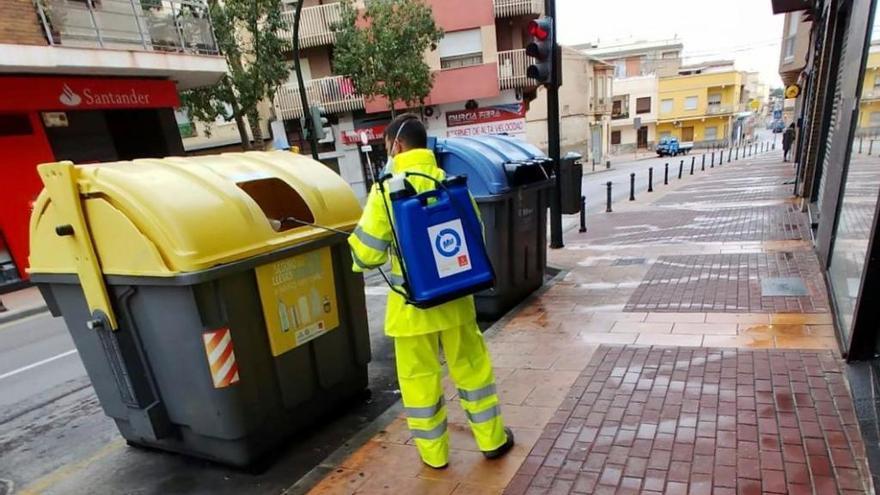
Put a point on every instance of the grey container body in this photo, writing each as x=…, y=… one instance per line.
x=516, y=239
x=152, y=375
x=571, y=174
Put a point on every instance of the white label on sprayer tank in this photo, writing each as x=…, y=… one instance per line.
x=450, y=249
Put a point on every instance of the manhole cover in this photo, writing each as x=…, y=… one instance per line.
x=629, y=261
x=794, y=286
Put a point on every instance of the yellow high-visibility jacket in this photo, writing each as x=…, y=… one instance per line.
x=371, y=243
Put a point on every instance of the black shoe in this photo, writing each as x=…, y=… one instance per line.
x=500, y=451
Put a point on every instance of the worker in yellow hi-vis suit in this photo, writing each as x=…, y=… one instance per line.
x=420, y=333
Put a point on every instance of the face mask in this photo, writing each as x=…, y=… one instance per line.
x=389, y=163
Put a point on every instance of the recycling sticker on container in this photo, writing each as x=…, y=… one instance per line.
x=450, y=249
x=299, y=299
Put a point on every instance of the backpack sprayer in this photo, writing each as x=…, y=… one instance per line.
x=444, y=255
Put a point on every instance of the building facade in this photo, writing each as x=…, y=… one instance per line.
x=480, y=83
x=869, y=105
x=703, y=105
x=90, y=82
x=638, y=66
x=584, y=108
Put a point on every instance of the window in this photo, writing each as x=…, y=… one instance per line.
x=616, y=108
x=615, y=137
x=875, y=119
x=461, y=49
x=691, y=102
x=687, y=134
x=669, y=55
x=793, y=23
x=714, y=99
x=643, y=105
x=184, y=123
x=711, y=134
x=876, y=81
x=620, y=68
x=666, y=106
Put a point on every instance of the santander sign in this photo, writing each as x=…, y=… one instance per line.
x=128, y=97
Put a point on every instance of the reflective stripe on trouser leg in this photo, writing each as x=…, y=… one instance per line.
x=419, y=374
x=471, y=369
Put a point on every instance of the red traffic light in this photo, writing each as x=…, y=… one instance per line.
x=539, y=29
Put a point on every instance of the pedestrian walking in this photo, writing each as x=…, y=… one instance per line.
x=419, y=334
x=787, y=142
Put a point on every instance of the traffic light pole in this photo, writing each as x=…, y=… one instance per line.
x=304, y=99
x=553, y=135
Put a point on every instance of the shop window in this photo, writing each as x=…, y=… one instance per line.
x=615, y=137
x=15, y=124
x=461, y=49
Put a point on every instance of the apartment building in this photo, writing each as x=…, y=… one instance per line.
x=638, y=58
x=704, y=104
x=869, y=105
x=638, y=65
x=91, y=81
x=480, y=83
x=584, y=108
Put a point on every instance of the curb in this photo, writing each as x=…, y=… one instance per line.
x=19, y=314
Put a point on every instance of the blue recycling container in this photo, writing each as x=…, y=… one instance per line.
x=511, y=182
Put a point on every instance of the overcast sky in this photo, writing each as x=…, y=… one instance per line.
x=744, y=30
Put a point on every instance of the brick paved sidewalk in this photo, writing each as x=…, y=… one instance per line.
x=663, y=360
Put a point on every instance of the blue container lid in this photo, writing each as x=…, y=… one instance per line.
x=484, y=159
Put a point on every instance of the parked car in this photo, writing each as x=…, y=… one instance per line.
x=670, y=146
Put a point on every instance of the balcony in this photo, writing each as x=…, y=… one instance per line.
x=335, y=94
x=512, y=66
x=315, y=25
x=514, y=8
x=177, y=26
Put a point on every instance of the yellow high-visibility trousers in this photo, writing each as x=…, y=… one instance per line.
x=419, y=373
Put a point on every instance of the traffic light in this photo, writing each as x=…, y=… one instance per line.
x=541, y=49
x=317, y=124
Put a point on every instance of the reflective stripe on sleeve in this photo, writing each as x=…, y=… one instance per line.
x=361, y=264
x=370, y=240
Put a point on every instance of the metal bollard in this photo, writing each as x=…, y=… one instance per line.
x=721, y=157
x=860, y=146
x=680, y=168
x=583, y=215
x=608, y=164
x=703, y=166
x=608, y=192
x=737, y=153
x=632, y=186
x=693, y=161
x=666, y=175
x=729, y=155
x=870, y=147
x=713, y=160
x=651, y=179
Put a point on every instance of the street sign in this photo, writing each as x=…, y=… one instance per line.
x=366, y=148
x=777, y=114
x=637, y=123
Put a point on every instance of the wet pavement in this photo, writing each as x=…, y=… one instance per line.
x=666, y=357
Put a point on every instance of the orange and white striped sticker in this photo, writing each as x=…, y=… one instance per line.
x=221, y=357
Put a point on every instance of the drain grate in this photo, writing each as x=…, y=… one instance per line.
x=784, y=287
x=629, y=261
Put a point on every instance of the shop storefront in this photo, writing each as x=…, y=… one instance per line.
x=84, y=120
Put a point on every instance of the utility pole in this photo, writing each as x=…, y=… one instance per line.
x=303, y=97
x=553, y=133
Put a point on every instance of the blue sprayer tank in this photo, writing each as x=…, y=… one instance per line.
x=444, y=255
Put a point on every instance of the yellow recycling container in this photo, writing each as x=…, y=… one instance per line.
x=211, y=318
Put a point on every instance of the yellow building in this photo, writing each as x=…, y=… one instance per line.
x=701, y=105
x=869, y=111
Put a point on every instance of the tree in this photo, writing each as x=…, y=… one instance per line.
x=247, y=36
x=777, y=93
x=382, y=49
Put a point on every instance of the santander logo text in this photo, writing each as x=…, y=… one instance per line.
x=69, y=97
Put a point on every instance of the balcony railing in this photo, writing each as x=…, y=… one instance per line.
x=619, y=115
x=335, y=94
x=182, y=26
x=513, y=8
x=512, y=66
x=315, y=25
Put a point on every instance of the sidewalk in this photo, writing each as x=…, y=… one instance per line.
x=688, y=348
x=21, y=304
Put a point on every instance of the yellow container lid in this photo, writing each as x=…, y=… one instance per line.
x=163, y=217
